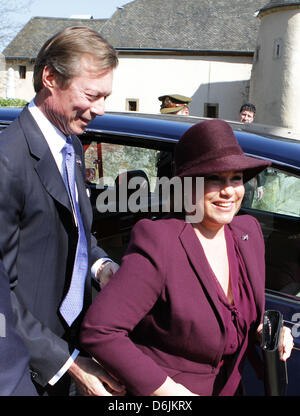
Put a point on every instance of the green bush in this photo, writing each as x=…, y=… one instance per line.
x=12, y=102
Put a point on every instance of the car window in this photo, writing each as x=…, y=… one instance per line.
x=274, y=199
x=274, y=191
x=108, y=165
x=109, y=160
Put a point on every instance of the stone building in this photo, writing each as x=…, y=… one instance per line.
x=201, y=49
x=275, y=81
x=20, y=54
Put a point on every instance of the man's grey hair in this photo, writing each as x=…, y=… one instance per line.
x=63, y=53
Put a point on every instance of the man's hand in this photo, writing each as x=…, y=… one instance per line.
x=89, y=377
x=105, y=272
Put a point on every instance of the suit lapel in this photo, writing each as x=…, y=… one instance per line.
x=195, y=253
x=51, y=179
x=44, y=165
x=247, y=243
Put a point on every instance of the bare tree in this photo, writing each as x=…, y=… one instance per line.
x=10, y=22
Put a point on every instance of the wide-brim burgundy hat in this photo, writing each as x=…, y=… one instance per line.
x=211, y=147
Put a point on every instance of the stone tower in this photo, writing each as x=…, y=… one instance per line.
x=275, y=78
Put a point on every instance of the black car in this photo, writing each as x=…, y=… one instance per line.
x=132, y=145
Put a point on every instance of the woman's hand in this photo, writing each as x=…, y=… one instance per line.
x=286, y=343
x=171, y=388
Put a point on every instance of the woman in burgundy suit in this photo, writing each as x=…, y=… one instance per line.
x=186, y=305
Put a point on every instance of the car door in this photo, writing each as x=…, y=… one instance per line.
x=277, y=207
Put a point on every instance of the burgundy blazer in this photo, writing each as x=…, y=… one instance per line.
x=159, y=315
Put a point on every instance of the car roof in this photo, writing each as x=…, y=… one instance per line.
x=267, y=142
x=268, y=145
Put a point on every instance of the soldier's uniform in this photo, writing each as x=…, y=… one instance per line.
x=173, y=103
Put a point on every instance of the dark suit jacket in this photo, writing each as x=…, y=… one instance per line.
x=38, y=240
x=163, y=297
x=14, y=358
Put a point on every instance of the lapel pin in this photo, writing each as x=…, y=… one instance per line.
x=78, y=161
x=245, y=237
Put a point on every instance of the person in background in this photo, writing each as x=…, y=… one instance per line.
x=45, y=213
x=247, y=113
x=172, y=104
x=175, y=104
x=185, y=308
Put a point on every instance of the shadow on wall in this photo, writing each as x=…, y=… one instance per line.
x=222, y=98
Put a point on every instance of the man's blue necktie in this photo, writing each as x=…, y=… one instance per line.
x=73, y=302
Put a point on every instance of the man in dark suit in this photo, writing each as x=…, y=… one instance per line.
x=14, y=376
x=46, y=218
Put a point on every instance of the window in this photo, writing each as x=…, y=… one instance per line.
x=22, y=71
x=211, y=110
x=108, y=160
x=274, y=199
x=132, y=104
x=274, y=191
x=107, y=166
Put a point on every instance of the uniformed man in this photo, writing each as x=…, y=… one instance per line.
x=175, y=104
